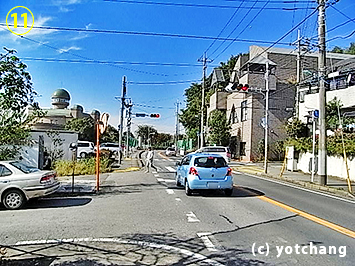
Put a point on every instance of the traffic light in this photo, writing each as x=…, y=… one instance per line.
x=240, y=87
x=245, y=87
x=154, y=115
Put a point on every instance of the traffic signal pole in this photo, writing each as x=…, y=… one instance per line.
x=123, y=98
x=322, y=149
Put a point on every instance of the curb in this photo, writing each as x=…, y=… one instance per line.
x=305, y=184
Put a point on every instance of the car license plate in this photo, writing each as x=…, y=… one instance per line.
x=212, y=185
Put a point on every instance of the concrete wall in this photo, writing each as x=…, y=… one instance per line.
x=335, y=166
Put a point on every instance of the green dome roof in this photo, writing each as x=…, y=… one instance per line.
x=61, y=93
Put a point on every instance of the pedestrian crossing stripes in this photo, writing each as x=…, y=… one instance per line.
x=170, y=169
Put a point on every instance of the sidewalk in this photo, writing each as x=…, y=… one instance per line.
x=86, y=184
x=334, y=185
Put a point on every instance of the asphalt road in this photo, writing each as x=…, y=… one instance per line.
x=144, y=219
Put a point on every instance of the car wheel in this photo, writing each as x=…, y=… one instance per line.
x=188, y=191
x=178, y=183
x=13, y=199
x=82, y=155
x=228, y=192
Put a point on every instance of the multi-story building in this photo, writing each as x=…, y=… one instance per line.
x=246, y=110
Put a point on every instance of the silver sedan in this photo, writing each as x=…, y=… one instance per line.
x=20, y=182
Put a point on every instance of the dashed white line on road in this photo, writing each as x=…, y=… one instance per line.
x=207, y=242
x=170, y=169
x=156, y=175
x=177, y=199
x=191, y=218
x=169, y=180
x=160, y=179
x=170, y=191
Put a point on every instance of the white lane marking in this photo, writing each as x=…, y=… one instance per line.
x=170, y=191
x=170, y=160
x=185, y=252
x=154, y=172
x=191, y=218
x=300, y=188
x=207, y=242
x=166, y=180
x=156, y=175
x=170, y=169
x=177, y=199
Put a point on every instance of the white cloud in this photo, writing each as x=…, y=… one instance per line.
x=66, y=2
x=80, y=36
x=67, y=49
x=64, y=9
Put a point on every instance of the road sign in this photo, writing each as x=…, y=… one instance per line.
x=104, y=120
x=316, y=113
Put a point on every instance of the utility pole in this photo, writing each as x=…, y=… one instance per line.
x=298, y=74
x=204, y=67
x=177, y=126
x=322, y=149
x=129, y=120
x=266, y=116
x=123, y=98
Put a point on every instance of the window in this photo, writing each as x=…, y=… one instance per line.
x=243, y=111
x=209, y=162
x=242, y=149
x=213, y=150
x=234, y=116
x=4, y=171
x=185, y=161
x=24, y=168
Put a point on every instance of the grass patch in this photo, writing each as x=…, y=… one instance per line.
x=82, y=167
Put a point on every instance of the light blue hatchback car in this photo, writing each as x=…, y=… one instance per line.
x=199, y=171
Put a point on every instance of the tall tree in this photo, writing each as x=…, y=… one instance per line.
x=219, y=128
x=146, y=132
x=84, y=126
x=16, y=94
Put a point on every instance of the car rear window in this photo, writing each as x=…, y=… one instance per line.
x=83, y=144
x=214, y=150
x=24, y=168
x=209, y=162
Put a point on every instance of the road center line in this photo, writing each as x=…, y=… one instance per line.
x=311, y=217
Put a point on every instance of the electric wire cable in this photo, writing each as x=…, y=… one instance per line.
x=195, y=5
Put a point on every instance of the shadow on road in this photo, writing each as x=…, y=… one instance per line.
x=59, y=202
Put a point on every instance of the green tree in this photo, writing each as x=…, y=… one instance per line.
x=191, y=116
x=349, y=50
x=16, y=94
x=219, y=128
x=296, y=129
x=146, y=132
x=163, y=139
x=332, y=115
x=110, y=135
x=84, y=126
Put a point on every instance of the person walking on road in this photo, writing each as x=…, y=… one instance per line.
x=149, y=160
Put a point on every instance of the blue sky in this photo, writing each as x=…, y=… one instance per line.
x=94, y=86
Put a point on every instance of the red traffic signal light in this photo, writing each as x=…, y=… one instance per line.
x=245, y=87
x=155, y=115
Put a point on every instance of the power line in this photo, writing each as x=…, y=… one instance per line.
x=152, y=34
x=253, y=19
x=195, y=5
x=162, y=83
x=225, y=26
x=110, y=62
x=240, y=22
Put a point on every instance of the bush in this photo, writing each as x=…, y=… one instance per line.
x=82, y=167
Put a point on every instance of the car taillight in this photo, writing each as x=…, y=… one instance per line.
x=229, y=172
x=228, y=155
x=193, y=171
x=46, y=178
